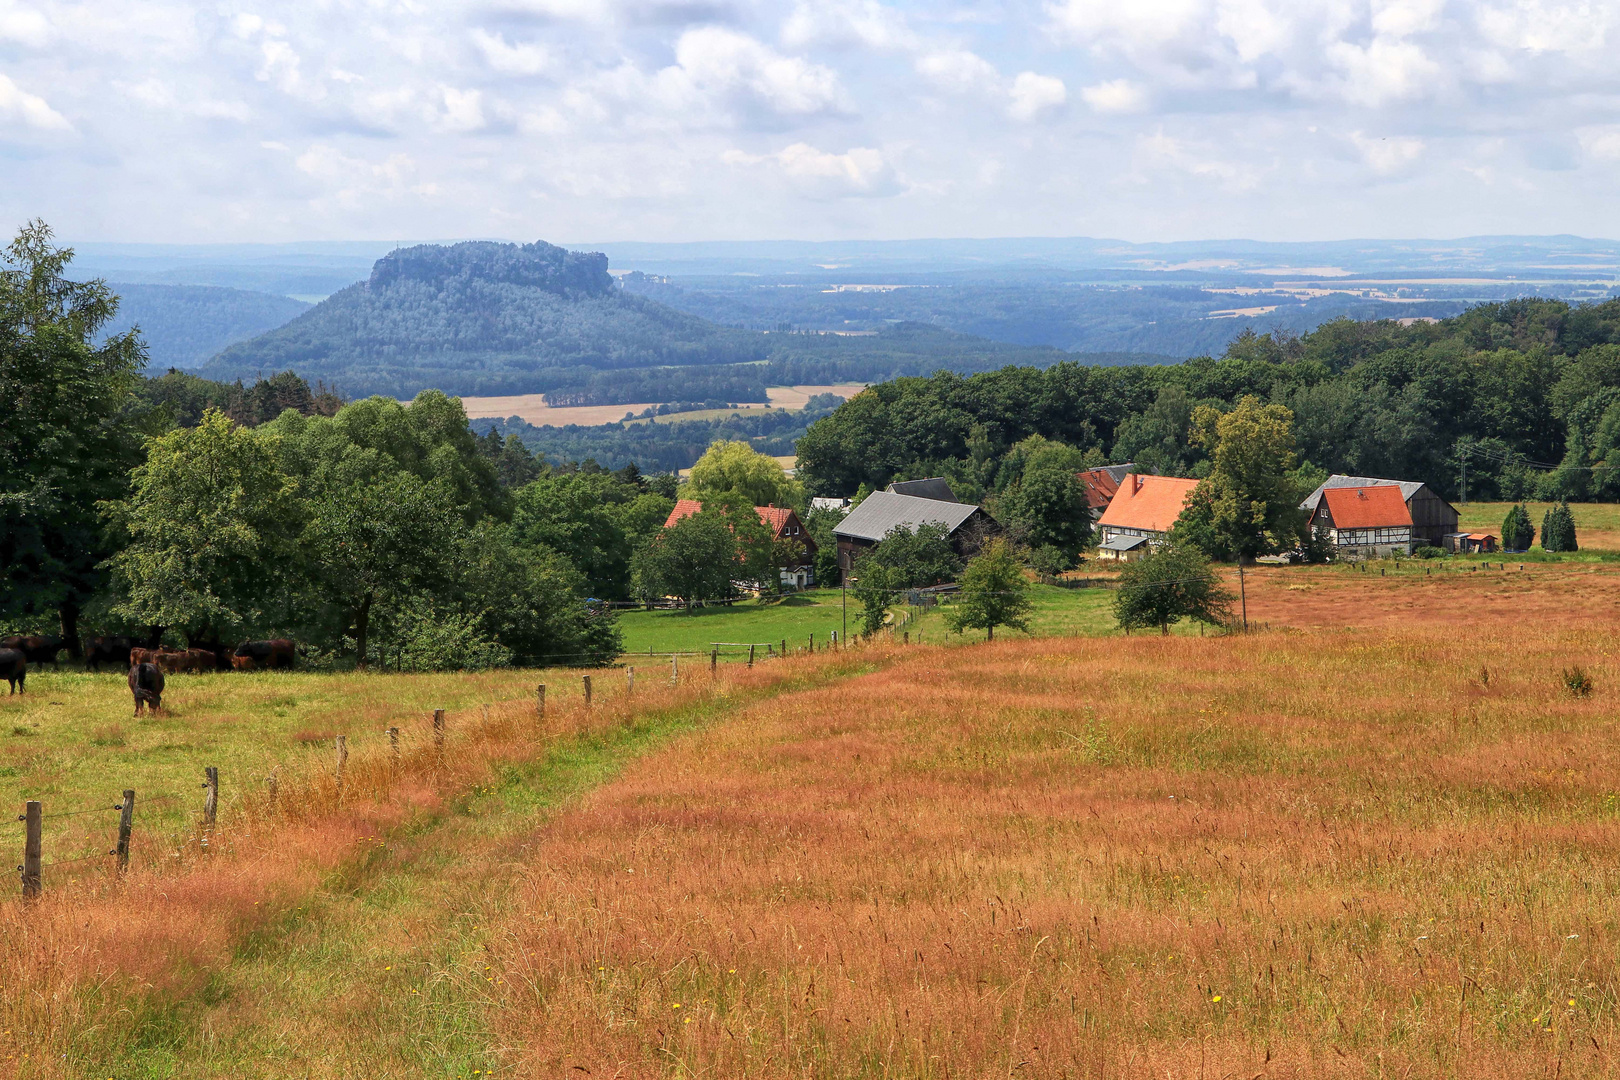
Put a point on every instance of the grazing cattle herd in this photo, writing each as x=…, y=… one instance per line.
x=147, y=667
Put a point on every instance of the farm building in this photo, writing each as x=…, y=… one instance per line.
x=1365, y=522
x=1100, y=485
x=881, y=512
x=1141, y=514
x=1470, y=543
x=1432, y=517
x=784, y=525
x=935, y=487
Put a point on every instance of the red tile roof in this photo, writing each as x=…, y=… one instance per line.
x=776, y=518
x=1380, y=507
x=1150, y=503
x=1100, y=486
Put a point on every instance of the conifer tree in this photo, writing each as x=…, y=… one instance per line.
x=1517, y=532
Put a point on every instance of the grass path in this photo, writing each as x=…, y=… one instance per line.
x=385, y=969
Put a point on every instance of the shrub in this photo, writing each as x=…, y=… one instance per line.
x=1558, y=529
x=1050, y=561
x=1577, y=682
x=1428, y=551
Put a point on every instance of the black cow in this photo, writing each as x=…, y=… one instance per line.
x=38, y=650
x=14, y=668
x=106, y=650
x=146, y=683
x=277, y=653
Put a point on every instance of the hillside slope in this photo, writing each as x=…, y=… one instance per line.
x=483, y=318
x=184, y=325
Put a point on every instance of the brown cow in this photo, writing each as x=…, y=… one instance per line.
x=170, y=661
x=146, y=683
x=276, y=653
x=200, y=660
x=14, y=668
x=143, y=656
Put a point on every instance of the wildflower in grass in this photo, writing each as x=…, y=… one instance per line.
x=1217, y=997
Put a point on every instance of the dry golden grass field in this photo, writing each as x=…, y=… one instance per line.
x=1380, y=837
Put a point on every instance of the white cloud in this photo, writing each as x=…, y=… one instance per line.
x=1034, y=94
x=501, y=55
x=860, y=171
x=715, y=58
x=23, y=25
x=1601, y=143
x=1114, y=96
x=957, y=70
x=1388, y=155
x=30, y=110
x=859, y=23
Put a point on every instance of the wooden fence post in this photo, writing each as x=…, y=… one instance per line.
x=438, y=731
x=674, y=670
x=342, y=759
x=31, y=845
x=126, y=825
x=630, y=680
x=587, y=682
x=393, y=748
x=750, y=656
x=211, y=799
x=812, y=641
x=784, y=646
x=906, y=638
x=714, y=660
x=540, y=700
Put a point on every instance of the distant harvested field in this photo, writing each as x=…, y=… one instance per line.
x=1597, y=525
x=1386, y=852
x=1440, y=595
x=533, y=407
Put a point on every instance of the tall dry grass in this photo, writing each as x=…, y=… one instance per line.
x=1328, y=853
x=99, y=952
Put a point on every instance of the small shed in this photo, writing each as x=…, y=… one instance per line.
x=1470, y=543
x=1123, y=549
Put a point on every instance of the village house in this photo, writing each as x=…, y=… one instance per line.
x=1141, y=514
x=1432, y=518
x=784, y=523
x=881, y=512
x=1365, y=522
x=1100, y=485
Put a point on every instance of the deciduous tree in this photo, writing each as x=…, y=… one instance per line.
x=994, y=593
x=1170, y=584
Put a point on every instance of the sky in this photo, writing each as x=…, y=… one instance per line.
x=678, y=120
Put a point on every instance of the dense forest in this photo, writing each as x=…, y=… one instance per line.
x=1528, y=391
x=184, y=325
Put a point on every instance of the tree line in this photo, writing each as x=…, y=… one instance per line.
x=1526, y=392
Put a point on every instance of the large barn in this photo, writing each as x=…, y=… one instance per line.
x=1368, y=522
x=881, y=512
x=1433, y=519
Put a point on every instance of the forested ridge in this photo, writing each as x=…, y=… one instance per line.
x=1528, y=390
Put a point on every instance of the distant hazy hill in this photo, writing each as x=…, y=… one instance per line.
x=484, y=318
x=184, y=325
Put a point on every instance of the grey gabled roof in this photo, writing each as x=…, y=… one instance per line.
x=1408, y=488
x=882, y=511
x=1123, y=543
x=934, y=487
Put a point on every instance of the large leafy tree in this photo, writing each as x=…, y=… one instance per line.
x=737, y=468
x=1173, y=583
x=212, y=522
x=994, y=593
x=1248, y=505
x=377, y=541
x=68, y=431
x=582, y=516
x=694, y=559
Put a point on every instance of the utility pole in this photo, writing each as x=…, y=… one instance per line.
x=1463, y=450
x=1243, y=592
x=843, y=583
